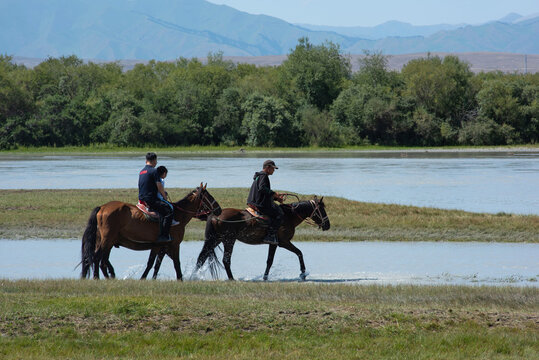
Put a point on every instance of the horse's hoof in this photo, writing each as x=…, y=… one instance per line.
x=302, y=276
x=265, y=277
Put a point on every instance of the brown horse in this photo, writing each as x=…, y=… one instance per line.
x=236, y=224
x=120, y=224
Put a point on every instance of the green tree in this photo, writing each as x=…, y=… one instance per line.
x=227, y=123
x=318, y=71
x=370, y=112
x=319, y=128
x=266, y=122
x=373, y=71
x=511, y=106
x=15, y=99
x=443, y=89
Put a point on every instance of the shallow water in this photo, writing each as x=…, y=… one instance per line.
x=440, y=263
x=479, y=181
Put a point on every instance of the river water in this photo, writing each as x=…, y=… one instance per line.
x=492, y=182
x=500, y=181
x=431, y=263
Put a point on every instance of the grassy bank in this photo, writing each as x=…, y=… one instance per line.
x=210, y=320
x=64, y=213
x=107, y=149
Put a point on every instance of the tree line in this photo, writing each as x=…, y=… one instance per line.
x=312, y=99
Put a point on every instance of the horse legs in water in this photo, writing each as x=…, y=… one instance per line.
x=207, y=248
x=289, y=246
x=229, y=246
x=160, y=256
x=175, y=256
x=151, y=260
x=105, y=264
x=108, y=267
x=97, y=259
x=269, y=262
x=111, y=269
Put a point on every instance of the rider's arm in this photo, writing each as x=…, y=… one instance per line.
x=161, y=189
x=264, y=185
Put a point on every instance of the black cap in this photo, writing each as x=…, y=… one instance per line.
x=269, y=163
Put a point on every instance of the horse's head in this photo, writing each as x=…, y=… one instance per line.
x=319, y=213
x=208, y=204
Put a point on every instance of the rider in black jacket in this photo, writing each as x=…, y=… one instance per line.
x=261, y=198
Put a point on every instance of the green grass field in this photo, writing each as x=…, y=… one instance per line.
x=64, y=213
x=70, y=319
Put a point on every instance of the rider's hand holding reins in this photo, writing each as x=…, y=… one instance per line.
x=278, y=197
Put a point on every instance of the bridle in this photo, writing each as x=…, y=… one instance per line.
x=207, y=204
x=205, y=207
x=316, y=212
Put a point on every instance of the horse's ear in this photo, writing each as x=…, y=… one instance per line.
x=205, y=185
x=315, y=198
x=322, y=198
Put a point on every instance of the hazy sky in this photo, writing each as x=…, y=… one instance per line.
x=374, y=12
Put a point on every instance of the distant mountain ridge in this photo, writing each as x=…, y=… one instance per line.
x=387, y=29
x=395, y=28
x=168, y=29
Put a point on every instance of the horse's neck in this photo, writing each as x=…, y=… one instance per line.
x=301, y=212
x=191, y=204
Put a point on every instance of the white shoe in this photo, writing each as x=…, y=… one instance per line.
x=174, y=222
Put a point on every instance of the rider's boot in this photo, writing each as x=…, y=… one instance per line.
x=164, y=228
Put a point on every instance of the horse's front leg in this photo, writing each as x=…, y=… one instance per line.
x=151, y=259
x=269, y=262
x=160, y=256
x=289, y=246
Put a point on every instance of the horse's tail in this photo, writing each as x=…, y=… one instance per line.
x=214, y=264
x=88, y=244
x=208, y=250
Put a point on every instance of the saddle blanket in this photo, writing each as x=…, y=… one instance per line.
x=142, y=206
x=256, y=214
x=151, y=215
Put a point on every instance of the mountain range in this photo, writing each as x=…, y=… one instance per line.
x=402, y=29
x=169, y=29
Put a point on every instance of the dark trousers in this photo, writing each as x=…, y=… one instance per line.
x=276, y=215
x=165, y=214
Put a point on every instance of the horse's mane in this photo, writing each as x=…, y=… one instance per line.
x=184, y=200
x=298, y=207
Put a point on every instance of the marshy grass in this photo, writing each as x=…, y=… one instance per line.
x=210, y=320
x=108, y=149
x=64, y=213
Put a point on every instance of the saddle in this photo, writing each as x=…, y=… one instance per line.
x=150, y=215
x=258, y=216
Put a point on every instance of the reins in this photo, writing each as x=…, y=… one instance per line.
x=204, y=203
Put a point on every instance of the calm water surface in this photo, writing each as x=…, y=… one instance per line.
x=480, y=181
x=439, y=263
